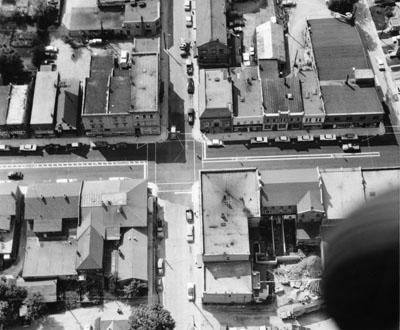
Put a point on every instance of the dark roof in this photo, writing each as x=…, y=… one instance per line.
x=47, y=225
x=4, y=98
x=216, y=113
x=210, y=16
x=276, y=91
x=337, y=48
x=308, y=230
x=114, y=325
x=96, y=19
x=96, y=94
x=90, y=250
x=67, y=105
x=148, y=13
x=48, y=289
x=268, y=69
x=344, y=99
x=102, y=63
x=120, y=94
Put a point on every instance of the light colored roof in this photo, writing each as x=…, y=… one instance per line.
x=378, y=181
x=289, y=175
x=311, y=201
x=132, y=263
x=5, y=222
x=44, y=98
x=211, y=17
x=90, y=250
x=311, y=96
x=48, y=289
x=7, y=240
x=229, y=198
x=17, y=110
x=342, y=191
x=228, y=277
x=247, y=94
x=59, y=201
x=47, y=225
x=144, y=82
x=114, y=325
x=364, y=74
x=149, y=13
x=270, y=42
x=49, y=258
x=119, y=100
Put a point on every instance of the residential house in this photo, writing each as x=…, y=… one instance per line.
x=44, y=104
x=215, y=101
x=230, y=202
x=68, y=106
x=122, y=102
x=11, y=200
x=283, y=104
x=337, y=51
x=247, y=100
x=211, y=38
x=142, y=20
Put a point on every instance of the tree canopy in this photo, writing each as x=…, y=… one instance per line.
x=36, y=306
x=342, y=6
x=11, y=299
x=45, y=14
x=11, y=65
x=134, y=288
x=151, y=317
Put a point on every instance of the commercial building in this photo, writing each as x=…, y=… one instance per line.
x=142, y=20
x=68, y=106
x=122, y=102
x=211, y=38
x=44, y=104
x=215, y=101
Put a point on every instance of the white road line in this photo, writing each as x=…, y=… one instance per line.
x=167, y=183
x=176, y=192
x=290, y=157
x=73, y=164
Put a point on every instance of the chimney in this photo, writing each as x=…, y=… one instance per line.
x=13, y=195
x=104, y=205
x=249, y=81
x=66, y=198
x=42, y=198
x=347, y=80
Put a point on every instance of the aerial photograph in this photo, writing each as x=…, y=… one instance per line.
x=199, y=164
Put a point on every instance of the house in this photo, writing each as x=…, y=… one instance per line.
x=211, y=38
x=283, y=104
x=142, y=20
x=247, y=99
x=230, y=202
x=10, y=215
x=68, y=106
x=215, y=101
x=44, y=104
x=338, y=52
x=122, y=102
x=270, y=43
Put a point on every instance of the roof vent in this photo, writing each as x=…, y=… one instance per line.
x=307, y=96
x=289, y=96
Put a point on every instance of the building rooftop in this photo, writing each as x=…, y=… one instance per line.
x=228, y=277
x=114, y=324
x=4, y=100
x=310, y=91
x=378, y=181
x=119, y=94
x=229, y=198
x=282, y=94
x=149, y=13
x=89, y=255
x=8, y=195
x=270, y=42
x=47, y=259
x=17, y=110
x=44, y=98
x=337, y=48
x=247, y=101
x=144, y=81
x=96, y=19
x=48, y=289
x=211, y=16
x=342, y=191
x=350, y=99
x=102, y=64
x=96, y=92
x=68, y=105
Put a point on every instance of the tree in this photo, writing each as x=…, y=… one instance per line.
x=11, y=65
x=11, y=298
x=45, y=14
x=342, y=6
x=134, y=288
x=36, y=306
x=151, y=317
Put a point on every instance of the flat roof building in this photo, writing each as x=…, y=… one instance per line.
x=270, y=42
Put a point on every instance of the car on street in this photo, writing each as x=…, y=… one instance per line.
x=160, y=266
x=191, y=291
x=172, y=133
x=259, y=140
x=215, y=143
x=283, y=139
x=349, y=137
x=74, y=146
x=351, y=147
x=160, y=229
x=4, y=148
x=237, y=29
x=189, y=215
x=28, y=147
x=305, y=138
x=124, y=59
x=190, y=116
x=381, y=64
x=252, y=51
x=50, y=55
x=189, y=67
x=15, y=175
x=327, y=137
x=238, y=22
x=100, y=144
x=53, y=148
x=189, y=21
x=246, y=59
x=190, y=86
x=95, y=42
x=159, y=284
x=188, y=5
x=190, y=233
x=51, y=49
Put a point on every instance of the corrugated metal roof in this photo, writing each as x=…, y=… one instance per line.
x=270, y=42
x=211, y=18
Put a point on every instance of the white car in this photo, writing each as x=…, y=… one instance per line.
x=305, y=138
x=282, y=138
x=351, y=147
x=190, y=233
x=252, y=52
x=381, y=64
x=327, y=137
x=51, y=49
x=215, y=143
x=188, y=5
x=259, y=140
x=191, y=291
x=124, y=59
x=160, y=266
x=189, y=21
x=28, y=147
x=246, y=59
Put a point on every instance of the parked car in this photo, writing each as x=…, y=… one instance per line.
x=381, y=64
x=159, y=284
x=4, y=148
x=252, y=51
x=191, y=291
x=215, y=143
x=100, y=144
x=305, y=138
x=121, y=145
x=246, y=59
x=28, y=147
x=95, y=42
x=15, y=175
x=51, y=49
x=327, y=137
x=160, y=266
x=53, y=148
x=237, y=29
x=47, y=62
x=124, y=59
x=351, y=147
x=188, y=5
x=259, y=140
x=189, y=21
x=238, y=22
x=189, y=67
x=160, y=229
x=189, y=215
x=190, y=115
x=349, y=137
x=190, y=86
x=282, y=138
x=74, y=146
x=172, y=133
x=190, y=233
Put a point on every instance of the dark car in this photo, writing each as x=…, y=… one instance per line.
x=53, y=148
x=190, y=86
x=15, y=175
x=238, y=22
x=191, y=116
